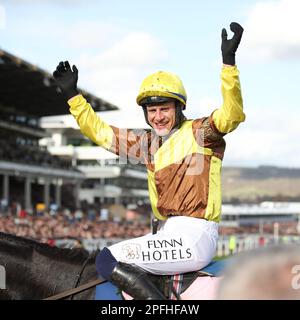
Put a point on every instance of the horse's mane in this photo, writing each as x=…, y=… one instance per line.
x=25, y=244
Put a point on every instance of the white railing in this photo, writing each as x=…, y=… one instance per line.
x=224, y=248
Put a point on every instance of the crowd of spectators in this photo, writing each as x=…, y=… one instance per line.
x=76, y=225
x=48, y=226
x=285, y=228
x=89, y=223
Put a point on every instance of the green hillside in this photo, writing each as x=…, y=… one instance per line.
x=260, y=184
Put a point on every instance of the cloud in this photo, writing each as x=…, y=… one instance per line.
x=116, y=73
x=135, y=49
x=264, y=138
x=2, y=17
x=272, y=31
x=87, y=35
x=81, y=35
x=112, y=59
x=200, y=107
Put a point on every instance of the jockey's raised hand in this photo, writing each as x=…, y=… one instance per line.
x=229, y=46
x=66, y=78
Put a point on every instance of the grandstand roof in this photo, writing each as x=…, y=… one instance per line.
x=264, y=208
x=27, y=89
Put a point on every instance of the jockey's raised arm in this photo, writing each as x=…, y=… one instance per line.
x=123, y=142
x=230, y=114
x=228, y=117
x=225, y=119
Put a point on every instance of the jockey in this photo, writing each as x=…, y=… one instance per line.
x=183, y=160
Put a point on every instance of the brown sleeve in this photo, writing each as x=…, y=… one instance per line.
x=126, y=143
x=206, y=133
x=133, y=145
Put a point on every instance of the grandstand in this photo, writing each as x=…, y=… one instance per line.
x=264, y=212
x=109, y=179
x=29, y=174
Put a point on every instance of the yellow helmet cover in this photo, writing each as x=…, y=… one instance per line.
x=162, y=84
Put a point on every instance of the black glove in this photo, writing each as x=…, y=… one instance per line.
x=66, y=78
x=229, y=46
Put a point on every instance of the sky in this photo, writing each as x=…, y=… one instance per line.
x=115, y=44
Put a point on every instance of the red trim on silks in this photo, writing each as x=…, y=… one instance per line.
x=177, y=284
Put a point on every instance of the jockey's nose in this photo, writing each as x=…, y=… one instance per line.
x=159, y=115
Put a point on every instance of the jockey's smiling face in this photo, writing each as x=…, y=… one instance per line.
x=161, y=117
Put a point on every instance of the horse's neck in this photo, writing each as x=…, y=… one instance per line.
x=67, y=274
x=73, y=275
x=34, y=272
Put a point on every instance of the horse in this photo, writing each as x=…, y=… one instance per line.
x=37, y=271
